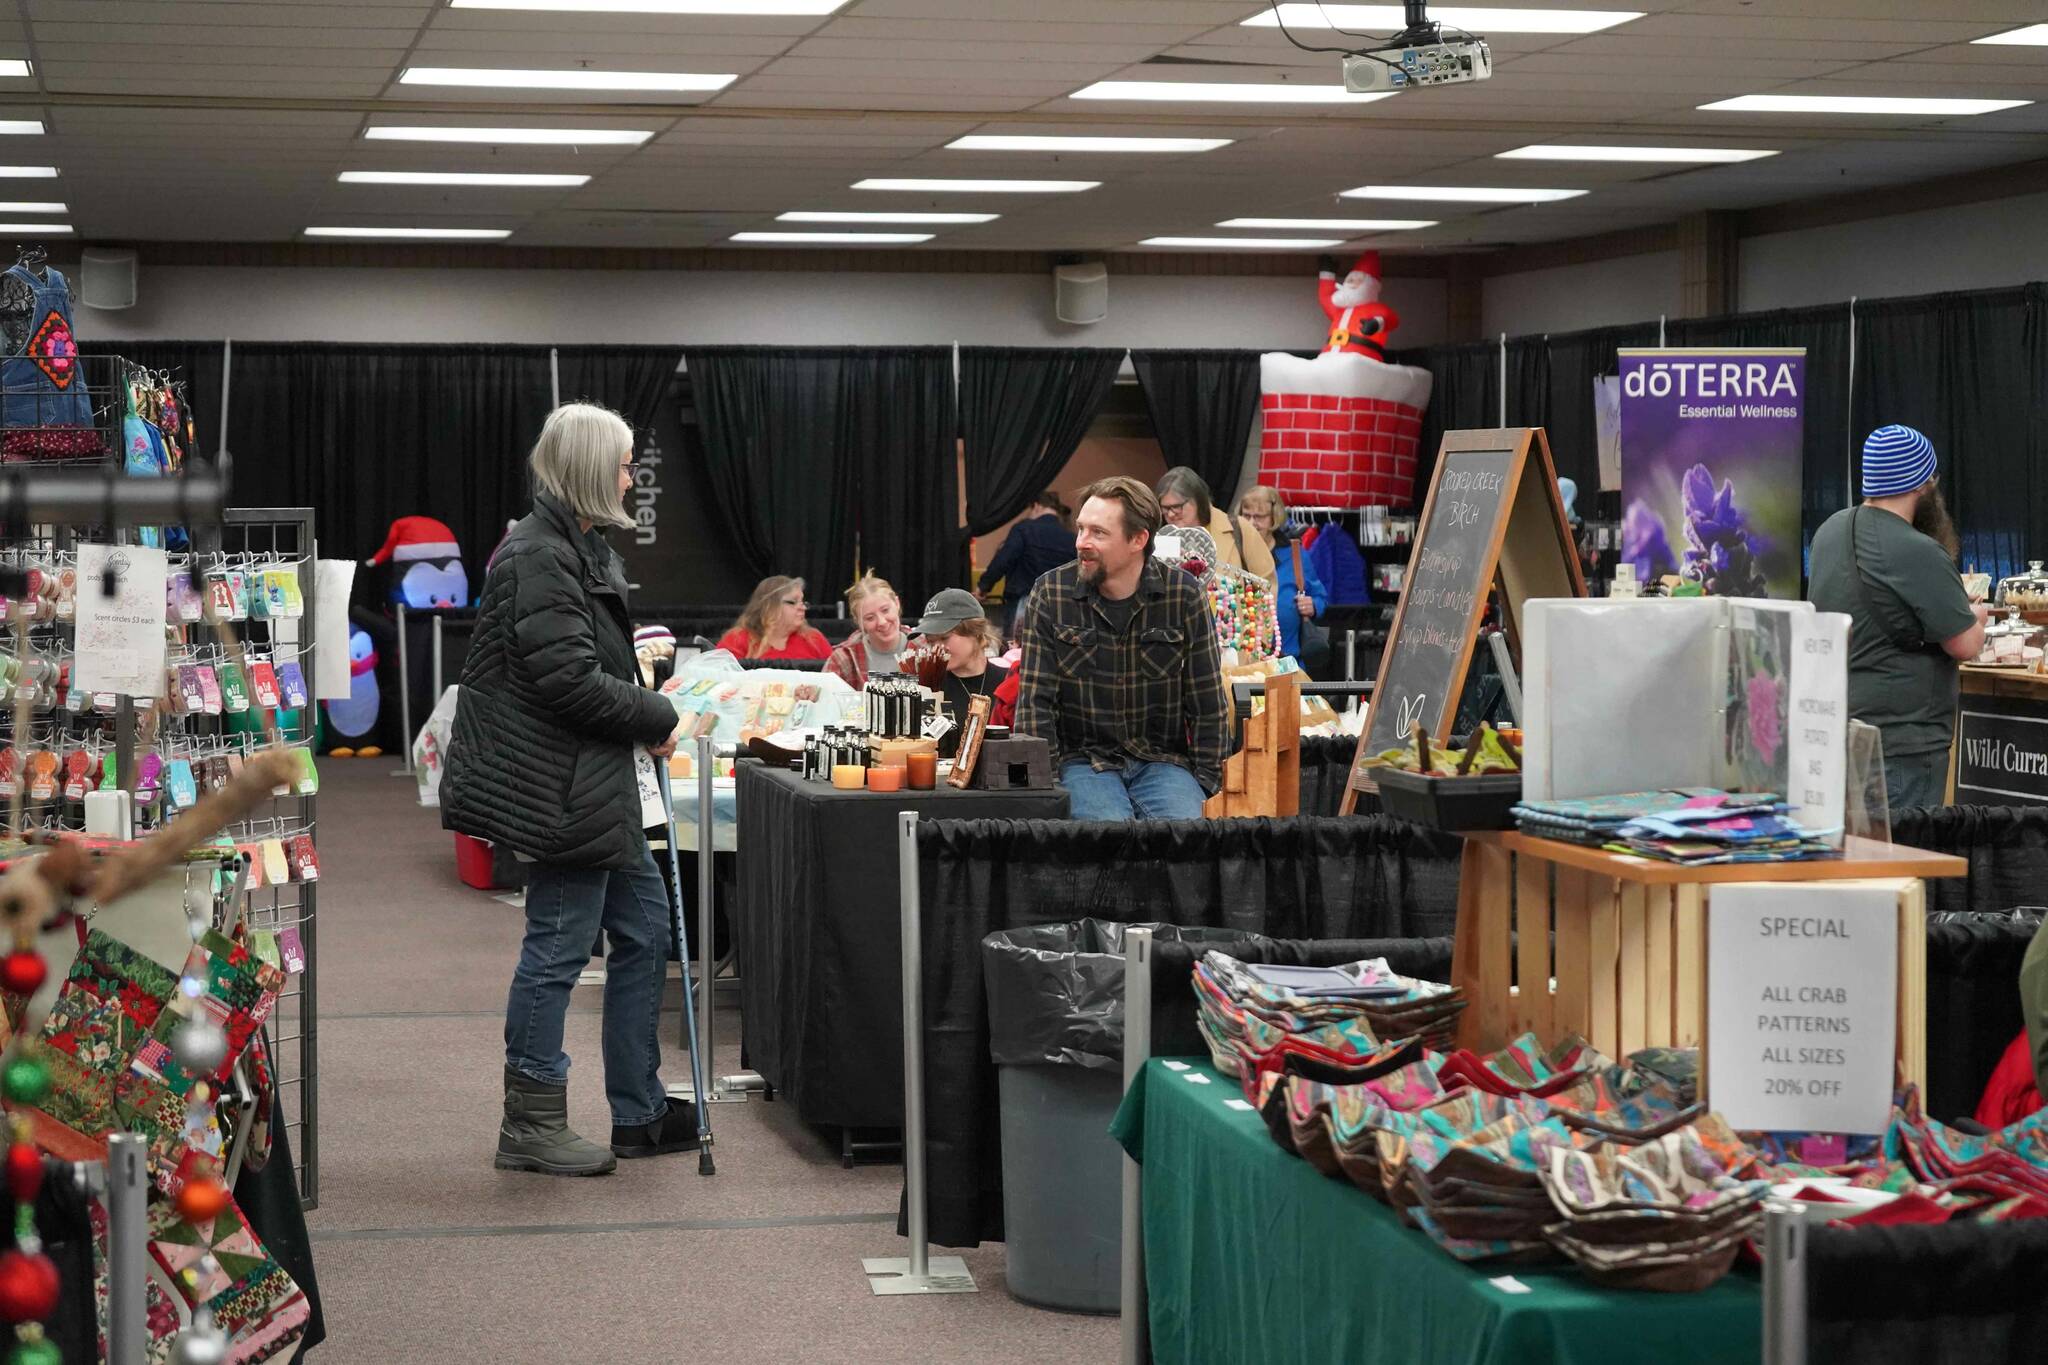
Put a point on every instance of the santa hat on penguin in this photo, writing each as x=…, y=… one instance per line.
x=427, y=572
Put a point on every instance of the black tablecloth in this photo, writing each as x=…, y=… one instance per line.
x=820, y=955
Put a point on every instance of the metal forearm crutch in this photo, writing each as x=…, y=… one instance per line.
x=699, y=1068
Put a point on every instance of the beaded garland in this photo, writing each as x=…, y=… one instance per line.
x=1247, y=614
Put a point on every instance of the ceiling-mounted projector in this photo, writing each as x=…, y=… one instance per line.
x=1419, y=55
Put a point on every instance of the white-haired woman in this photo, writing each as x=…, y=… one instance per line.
x=541, y=760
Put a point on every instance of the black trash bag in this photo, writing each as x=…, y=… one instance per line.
x=1056, y=991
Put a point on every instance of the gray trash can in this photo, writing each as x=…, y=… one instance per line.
x=1056, y=1026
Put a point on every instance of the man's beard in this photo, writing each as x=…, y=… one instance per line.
x=1931, y=519
x=1091, y=571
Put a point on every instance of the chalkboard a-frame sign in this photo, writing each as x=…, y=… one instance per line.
x=1493, y=520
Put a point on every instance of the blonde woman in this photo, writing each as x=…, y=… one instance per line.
x=1300, y=599
x=773, y=627
x=877, y=647
x=541, y=761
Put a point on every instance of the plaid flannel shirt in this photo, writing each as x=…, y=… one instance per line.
x=1150, y=694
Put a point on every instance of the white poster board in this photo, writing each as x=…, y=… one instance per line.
x=333, y=581
x=1802, y=1005
x=121, y=637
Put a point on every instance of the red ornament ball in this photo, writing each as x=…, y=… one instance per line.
x=24, y=1172
x=201, y=1200
x=22, y=971
x=28, y=1287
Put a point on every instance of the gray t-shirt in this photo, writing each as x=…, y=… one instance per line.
x=878, y=662
x=1906, y=601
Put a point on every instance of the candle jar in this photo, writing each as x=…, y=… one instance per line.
x=923, y=771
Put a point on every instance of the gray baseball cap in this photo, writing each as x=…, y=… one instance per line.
x=947, y=612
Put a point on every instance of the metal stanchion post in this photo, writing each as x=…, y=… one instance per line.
x=1784, y=1285
x=127, y=1245
x=1351, y=660
x=921, y=1272
x=1137, y=1050
x=404, y=696
x=718, y=1089
x=438, y=684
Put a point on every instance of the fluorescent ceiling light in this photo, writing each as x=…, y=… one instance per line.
x=1248, y=243
x=1558, y=152
x=28, y=172
x=24, y=206
x=1224, y=92
x=52, y=229
x=806, y=216
x=1459, y=194
x=977, y=186
x=15, y=66
x=846, y=238
x=2033, y=35
x=21, y=127
x=1859, y=104
x=1006, y=142
x=513, y=78
x=1332, y=224
x=755, y=8
x=523, y=137
x=448, y=234
x=1481, y=20
x=505, y=178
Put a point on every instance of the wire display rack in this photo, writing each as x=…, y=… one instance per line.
x=289, y=909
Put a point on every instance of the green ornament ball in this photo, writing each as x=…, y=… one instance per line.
x=41, y=1351
x=25, y=1081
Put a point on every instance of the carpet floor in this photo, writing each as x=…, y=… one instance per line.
x=427, y=1254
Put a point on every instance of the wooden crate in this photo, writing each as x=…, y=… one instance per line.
x=1614, y=948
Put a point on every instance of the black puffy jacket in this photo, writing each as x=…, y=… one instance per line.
x=551, y=708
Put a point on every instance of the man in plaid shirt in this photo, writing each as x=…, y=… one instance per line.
x=1121, y=673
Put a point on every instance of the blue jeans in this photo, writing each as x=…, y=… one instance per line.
x=1913, y=781
x=565, y=906
x=1140, y=791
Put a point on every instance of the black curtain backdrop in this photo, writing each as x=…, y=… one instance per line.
x=367, y=434
x=1023, y=410
x=1574, y=361
x=1464, y=394
x=819, y=456
x=1202, y=405
x=630, y=380
x=1966, y=370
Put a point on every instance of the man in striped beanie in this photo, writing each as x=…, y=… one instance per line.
x=1889, y=564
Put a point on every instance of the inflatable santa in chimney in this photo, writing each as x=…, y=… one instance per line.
x=1359, y=322
x=1342, y=430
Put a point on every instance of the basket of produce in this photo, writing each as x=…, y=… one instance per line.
x=1476, y=787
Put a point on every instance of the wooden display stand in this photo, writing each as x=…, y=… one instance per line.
x=1493, y=528
x=1630, y=964
x=1264, y=777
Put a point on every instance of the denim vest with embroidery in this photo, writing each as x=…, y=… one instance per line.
x=40, y=381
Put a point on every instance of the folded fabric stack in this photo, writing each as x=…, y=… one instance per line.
x=1244, y=1019
x=1693, y=826
x=1664, y=1214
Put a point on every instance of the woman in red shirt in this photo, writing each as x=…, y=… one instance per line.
x=772, y=626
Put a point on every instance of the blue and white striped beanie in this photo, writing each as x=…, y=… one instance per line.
x=1896, y=460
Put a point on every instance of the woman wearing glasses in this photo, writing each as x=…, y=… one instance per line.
x=773, y=627
x=550, y=712
x=1185, y=501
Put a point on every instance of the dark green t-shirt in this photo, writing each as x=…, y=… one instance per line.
x=1906, y=601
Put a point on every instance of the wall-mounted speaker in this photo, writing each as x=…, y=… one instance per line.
x=106, y=279
x=1081, y=292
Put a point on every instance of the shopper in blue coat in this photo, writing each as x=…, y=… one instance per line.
x=1263, y=508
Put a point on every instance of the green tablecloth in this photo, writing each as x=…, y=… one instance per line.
x=1252, y=1255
